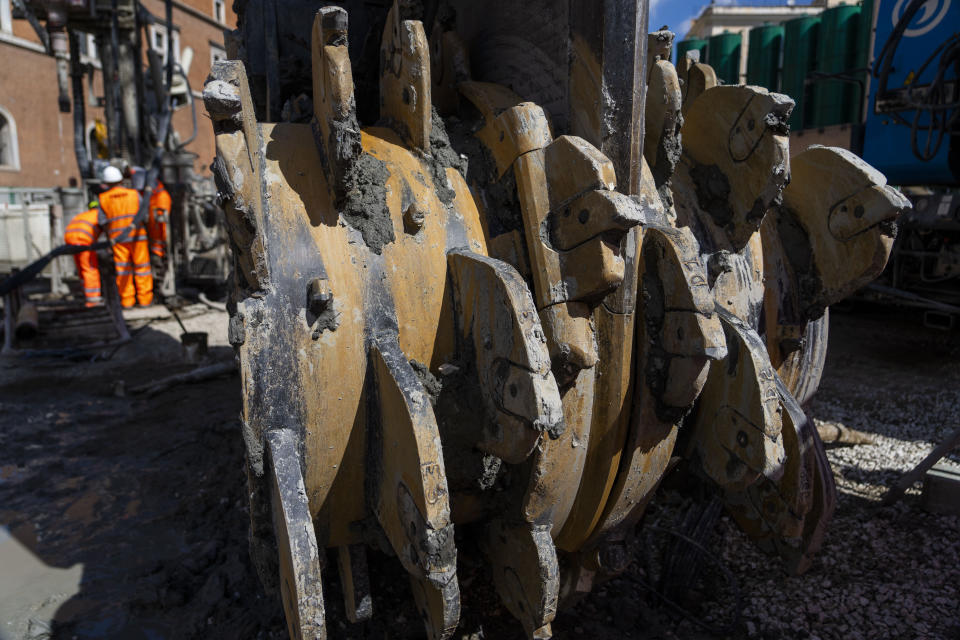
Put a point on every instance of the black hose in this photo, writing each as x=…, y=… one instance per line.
x=79, y=109
x=118, y=117
x=193, y=109
x=169, y=20
x=156, y=79
x=885, y=59
x=34, y=268
x=937, y=84
x=936, y=103
x=138, y=80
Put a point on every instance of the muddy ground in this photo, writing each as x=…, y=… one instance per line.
x=124, y=516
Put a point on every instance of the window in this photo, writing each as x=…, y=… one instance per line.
x=9, y=153
x=158, y=42
x=219, y=10
x=97, y=140
x=217, y=53
x=91, y=141
x=88, y=47
x=6, y=19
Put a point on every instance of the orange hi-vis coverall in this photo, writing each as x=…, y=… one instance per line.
x=82, y=231
x=160, y=203
x=130, y=251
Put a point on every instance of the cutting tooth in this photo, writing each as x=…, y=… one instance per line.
x=410, y=497
x=355, y=582
x=571, y=340
x=839, y=211
x=300, y=583
x=790, y=515
x=439, y=605
x=681, y=322
x=736, y=429
x=593, y=269
x=661, y=144
x=511, y=127
x=594, y=213
x=240, y=161
x=735, y=162
x=525, y=572
x=496, y=313
x=573, y=167
x=405, y=100
x=335, y=125
x=587, y=221
x=697, y=78
x=659, y=47
x=670, y=370
x=683, y=65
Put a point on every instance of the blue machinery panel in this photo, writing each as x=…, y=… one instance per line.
x=887, y=145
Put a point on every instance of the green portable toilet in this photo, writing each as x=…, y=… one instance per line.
x=799, y=59
x=723, y=54
x=690, y=45
x=837, y=101
x=763, y=56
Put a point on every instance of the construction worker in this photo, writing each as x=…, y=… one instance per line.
x=160, y=203
x=131, y=253
x=83, y=231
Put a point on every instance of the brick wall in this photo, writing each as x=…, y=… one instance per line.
x=28, y=93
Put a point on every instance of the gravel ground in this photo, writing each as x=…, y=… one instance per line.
x=126, y=516
x=884, y=572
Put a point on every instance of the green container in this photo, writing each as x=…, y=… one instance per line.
x=763, y=56
x=837, y=101
x=723, y=54
x=800, y=41
x=690, y=45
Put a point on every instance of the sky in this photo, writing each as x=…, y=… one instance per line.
x=676, y=14
x=679, y=14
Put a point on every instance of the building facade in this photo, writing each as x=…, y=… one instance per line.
x=36, y=139
x=716, y=18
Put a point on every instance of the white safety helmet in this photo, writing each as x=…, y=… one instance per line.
x=112, y=175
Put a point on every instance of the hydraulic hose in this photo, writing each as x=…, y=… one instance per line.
x=79, y=110
x=193, y=108
x=936, y=103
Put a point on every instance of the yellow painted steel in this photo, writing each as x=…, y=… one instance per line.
x=563, y=356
